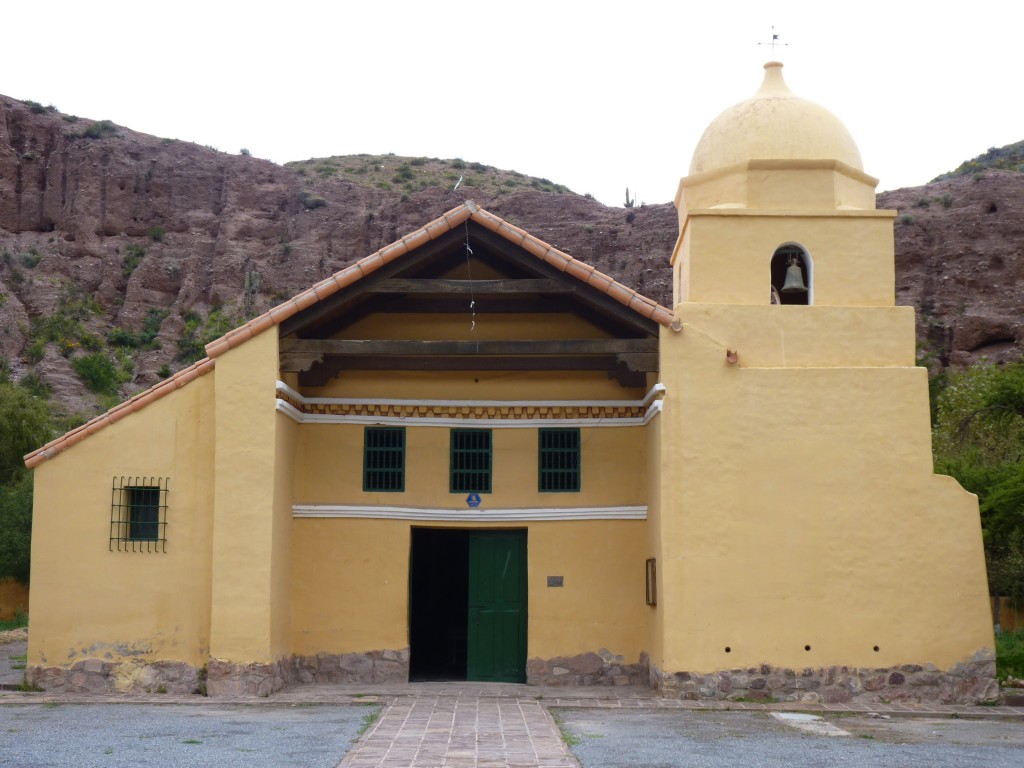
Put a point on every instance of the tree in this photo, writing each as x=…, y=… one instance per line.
x=25, y=425
x=979, y=440
x=16, y=528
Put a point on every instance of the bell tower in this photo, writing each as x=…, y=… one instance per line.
x=797, y=520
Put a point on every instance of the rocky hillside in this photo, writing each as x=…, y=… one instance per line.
x=121, y=254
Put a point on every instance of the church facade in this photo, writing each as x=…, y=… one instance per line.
x=472, y=456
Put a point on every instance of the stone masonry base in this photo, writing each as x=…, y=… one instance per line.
x=601, y=668
x=971, y=682
x=98, y=676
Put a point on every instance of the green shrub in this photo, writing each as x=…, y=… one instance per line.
x=134, y=254
x=905, y=218
x=35, y=386
x=156, y=233
x=35, y=351
x=946, y=200
x=1010, y=654
x=197, y=333
x=119, y=337
x=31, y=258
x=165, y=371
x=98, y=373
x=100, y=130
x=311, y=201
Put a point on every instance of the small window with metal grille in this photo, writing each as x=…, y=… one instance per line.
x=384, y=459
x=138, y=514
x=471, y=461
x=559, y=460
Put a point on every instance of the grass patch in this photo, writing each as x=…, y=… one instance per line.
x=368, y=720
x=1010, y=654
x=570, y=738
x=20, y=620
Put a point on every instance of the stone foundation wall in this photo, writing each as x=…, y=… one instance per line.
x=223, y=678
x=371, y=667
x=601, y=668
x=97, y=676
x=971, y=682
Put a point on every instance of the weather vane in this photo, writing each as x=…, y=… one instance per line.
x=774, y=43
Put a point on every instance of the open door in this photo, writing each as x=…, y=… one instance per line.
x=468, y=609
x=497, y=606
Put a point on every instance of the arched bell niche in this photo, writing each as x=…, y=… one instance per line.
x=792, y=275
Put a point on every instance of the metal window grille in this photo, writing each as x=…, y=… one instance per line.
x=138, y=514
x=471, y=461
x=559, y=460
x=384, y=459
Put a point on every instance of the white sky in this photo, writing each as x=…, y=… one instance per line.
x=597, y=96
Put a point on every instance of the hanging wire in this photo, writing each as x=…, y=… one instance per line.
x=469, y=275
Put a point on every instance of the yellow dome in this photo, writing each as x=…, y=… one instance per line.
x=774, y=125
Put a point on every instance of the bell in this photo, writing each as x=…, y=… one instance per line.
x=794, y=278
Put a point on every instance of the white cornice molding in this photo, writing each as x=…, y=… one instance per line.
x=654, y=392
x=651, y=402
x=469, y=515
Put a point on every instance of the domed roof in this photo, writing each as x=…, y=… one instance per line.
x=774, y=125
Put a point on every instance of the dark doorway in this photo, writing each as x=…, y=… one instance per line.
x=439, y=594
x=468, y=607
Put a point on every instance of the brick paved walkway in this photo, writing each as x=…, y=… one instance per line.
x=432, y=731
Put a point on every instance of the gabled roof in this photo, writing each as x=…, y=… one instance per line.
x=468, y=211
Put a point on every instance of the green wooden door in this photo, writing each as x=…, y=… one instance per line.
x=497, y=607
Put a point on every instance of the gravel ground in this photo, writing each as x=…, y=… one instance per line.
x=743, y=740
x=167, y=735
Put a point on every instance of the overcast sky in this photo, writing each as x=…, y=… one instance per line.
x=597, y=96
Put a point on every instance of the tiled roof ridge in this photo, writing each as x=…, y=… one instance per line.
x=352, y=273
x=118, y=412
x=446, y=222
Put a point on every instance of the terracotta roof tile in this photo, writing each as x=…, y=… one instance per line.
x=352, y=274
x=118, y=412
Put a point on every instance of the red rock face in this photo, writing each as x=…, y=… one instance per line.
x=75, y=212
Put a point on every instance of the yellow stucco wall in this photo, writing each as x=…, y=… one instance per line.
x=727, y=255
x=351, y=586
x=89, y=602
x=286, y=438
x=806, y=514
x=329, y=462
x=250, y=568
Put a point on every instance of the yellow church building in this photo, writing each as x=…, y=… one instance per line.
x=471, y=456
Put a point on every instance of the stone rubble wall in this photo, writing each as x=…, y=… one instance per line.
x=98, y=676
x=371, y=667
x=971, y=682
x=601, y=668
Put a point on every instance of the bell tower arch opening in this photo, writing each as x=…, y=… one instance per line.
x=792, y=275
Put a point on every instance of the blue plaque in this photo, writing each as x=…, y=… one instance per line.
x=473, y=500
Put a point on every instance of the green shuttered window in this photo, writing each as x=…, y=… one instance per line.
x=384, y=459
x=559, y=451
x=471, y=461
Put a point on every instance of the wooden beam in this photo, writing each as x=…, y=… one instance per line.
x=333, y=366
x=471, y=287
x=499, y=347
